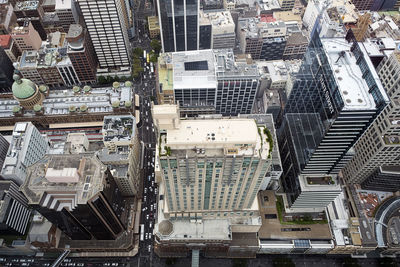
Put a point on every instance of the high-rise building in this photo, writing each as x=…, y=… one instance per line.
x=179, y=24
x=10, y=47
x=4, y=145
x=122, y=152
x=263, y=40
x=66, y=13
x=14, y=210
x=77, y=193
x=26, y=148
x=30, y=11
x=335, y=97
x=6, y=66
x=209, y=173
x=26, y=37
x=107, y=24
x=222, y=30
x=378, y=150
x=207, y=81
x=81, y=54
x=7, y=17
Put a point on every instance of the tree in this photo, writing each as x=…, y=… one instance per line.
x=283, y=262
x=156, y=46
x=102, y=80
x=138, y=52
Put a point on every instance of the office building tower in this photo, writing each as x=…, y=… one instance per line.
x=263, y=40
x=329, y=108
x=106, y=22
x=210, y=171
x=77, y=193
x=67, y=70
x=27, y=147
x=66, y=13
x=378, y=150
x=296, y=46
x=154, y=26
x=218, y=28
x=30, y=11
x=4, y=145
x=80, y=51
x=286, y=5
x=14, y=210
x=6, y=66
x=26, y=37
x=10, y=47
x=122, y=152
x=207, y=81
x=179, y=24
x=7, y=17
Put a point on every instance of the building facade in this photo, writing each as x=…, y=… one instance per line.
x=179, y=25
x=107, y=26
x=4, y=145
x=66, y=13
x=30, y=11
x=26, y=37
x=379, y=146
x=10, y=47
x=6, y=67
x=27, y=147
x=323, y=118
x=82, y=209
x=81, y=54
x=14, y=209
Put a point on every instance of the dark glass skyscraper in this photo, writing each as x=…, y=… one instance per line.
x=335, y=96
x=179, y=24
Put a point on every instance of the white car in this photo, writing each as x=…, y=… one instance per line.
x=147, y=128
x=144, y=198
x=151, y=208
x=151, y=224
x=155, y=190
x=152, y=183
x=145, y=190
x=147, y=217
x=145, y=208
x=149, y=248
x=152, y=175
x=148, y=163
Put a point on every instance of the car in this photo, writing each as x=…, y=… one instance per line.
x=152, y=160
x=149, y=178
x=152, y=175
x=145, y=208
x=151, y=189
x=151, y=224
x=148, y=163
x=151, y=207
x=152, y=183
x=80, y=264
x=144, y=76
x=153, y=130
x=114, y=264
x=149, y=248
x=145, y=190
x=147, y=128
x=146, y=236
x=144, y=199
x=155, y=190
x=155, y=206
x=147, y=217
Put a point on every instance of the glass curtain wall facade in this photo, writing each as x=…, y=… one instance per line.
x=179, y=24
x=321, y=122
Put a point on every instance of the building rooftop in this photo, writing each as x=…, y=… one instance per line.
x=5, y=41
x=64, y=4
x=96, y=100
x=27, y=5
x=220, y=19
x=273, y=229
x=216, y=136
x=118, y=128
x=88, y=179
x=319, y=183
x=153, y=22
x=353, y=90
x=226, y=65
x=193, y=68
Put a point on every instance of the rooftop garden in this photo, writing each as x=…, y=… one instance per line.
x=298, y=219
x=327, y=180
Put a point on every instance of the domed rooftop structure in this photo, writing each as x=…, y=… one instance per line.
x=23, y=88
x=165, y=227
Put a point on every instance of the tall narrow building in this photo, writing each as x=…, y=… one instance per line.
x=376, y=163
x=107, y=24
x=334, y=99
x=209, y=171
x=179, y=25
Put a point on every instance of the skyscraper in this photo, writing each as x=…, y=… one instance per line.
x=377, y=153
x=26, y=148
x=107, y=23
x=77, y=193
x=210, y=171
x=335, y=97
x=179, y=24
x=14, y=210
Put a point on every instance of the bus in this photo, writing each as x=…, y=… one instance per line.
x=144, y=55
x=151, y=67
x=148, y=58
x=142, y=232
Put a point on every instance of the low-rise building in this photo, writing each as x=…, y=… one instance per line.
x=154, y=26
